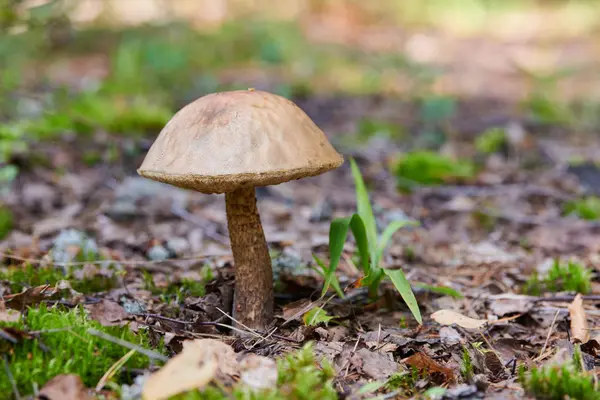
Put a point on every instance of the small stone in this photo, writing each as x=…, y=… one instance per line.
x=178, y=245
x=70, y=243
x=158, y=253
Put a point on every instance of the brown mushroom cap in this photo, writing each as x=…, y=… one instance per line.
x=228, y=140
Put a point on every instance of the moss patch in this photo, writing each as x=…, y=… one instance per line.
x=70, y=349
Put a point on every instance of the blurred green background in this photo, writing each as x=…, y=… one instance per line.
x=124, y=66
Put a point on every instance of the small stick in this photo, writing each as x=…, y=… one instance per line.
x=11, y=379
x=549, y=333
x=148, y=353
x=237, y=322
x=113, y=369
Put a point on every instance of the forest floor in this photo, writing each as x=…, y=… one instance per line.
x=503, y=186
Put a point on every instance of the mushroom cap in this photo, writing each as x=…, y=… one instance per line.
x=224, y=141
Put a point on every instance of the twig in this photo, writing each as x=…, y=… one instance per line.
x=549, y=333
x=239, y=323
x=11, y=379
x=148, y=353
x=113, y=369
x=568, y=298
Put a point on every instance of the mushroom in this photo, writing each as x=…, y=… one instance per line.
x=232, y=142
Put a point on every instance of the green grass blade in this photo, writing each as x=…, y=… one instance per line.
x=403, y=286
x=362, y=241
x=445, y=290
x=330, y=279
x=387, y=235
x=364, y=208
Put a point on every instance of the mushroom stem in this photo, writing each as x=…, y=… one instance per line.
x=253, y=300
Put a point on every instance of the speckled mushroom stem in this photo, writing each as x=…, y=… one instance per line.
x=253, y=299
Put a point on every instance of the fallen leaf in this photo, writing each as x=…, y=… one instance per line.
x=495, y=366
x=35, y=295
x=8, y=315
x=374, y=364
x=65, y=387
x=108, y=313
x=579, y=327
x=198, y=363
x=449, y=317
x=423, y=362
x=29, y=297
x=258, y=372
x=510, y=303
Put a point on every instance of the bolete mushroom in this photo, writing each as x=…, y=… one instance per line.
x=232, y=142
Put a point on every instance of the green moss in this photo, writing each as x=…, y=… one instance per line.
x=20, y=277
x=178, y=290
x=587, y=208
x=301, y=377
x=368, y=128
x=572, y=277
x=6, y=222
x=404, y=381
x=430, y=168
x=491, y=141
x=70, y=350
x=466, y=368
x=558, y=382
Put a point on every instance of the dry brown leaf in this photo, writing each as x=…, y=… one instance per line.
x=29, y=297
x=258, y=372
x=107, y=312
x=65, y=387
x=423, y=362
x=449, y=317
x=579, y=327
x=374, y=364
x=8, y=315
x=35, y=295
x=198, y=363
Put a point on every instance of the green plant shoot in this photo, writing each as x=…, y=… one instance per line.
x=371, y=247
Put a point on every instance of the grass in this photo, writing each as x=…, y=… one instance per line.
x=20, y=277
x=557, y=382
x=6, y=222
x=428, y=168
x=405, y=382
x=71, y=349
x=570, y=276
x=587, y=208
x=491, y=141
x=178, y=290
x=301, y=377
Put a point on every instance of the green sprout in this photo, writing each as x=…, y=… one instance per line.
x=371, y=247
x=571, y=277
x=587, y=208
x=491, y=141
x=430, y=168
x=558, y=382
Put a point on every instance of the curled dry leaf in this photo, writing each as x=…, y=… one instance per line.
x=449, y=317
x=35, y=295
x=65, y=387
x=579, y=327
x=258, y=372
x=198, y=363
x=108, y=313
x=438, y=372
